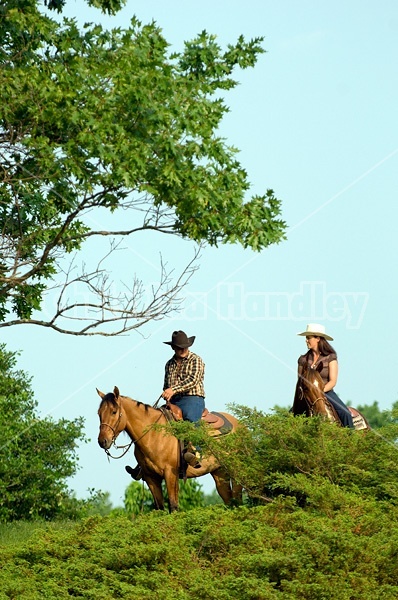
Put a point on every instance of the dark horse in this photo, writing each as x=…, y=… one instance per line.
x=157, y=454
x=310, y=400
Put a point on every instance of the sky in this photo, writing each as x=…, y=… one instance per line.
x=316, y=121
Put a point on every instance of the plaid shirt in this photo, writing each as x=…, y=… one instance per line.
x=185, y=377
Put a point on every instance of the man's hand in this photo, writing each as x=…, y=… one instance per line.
x=168, y=394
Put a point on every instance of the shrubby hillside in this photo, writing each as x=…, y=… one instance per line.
x=320, y=522
x=273, y=551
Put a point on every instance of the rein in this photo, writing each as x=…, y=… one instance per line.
x=316, y=400
x=127, y=446
x=310, y=404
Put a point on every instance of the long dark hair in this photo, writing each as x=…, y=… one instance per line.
x=325, y=348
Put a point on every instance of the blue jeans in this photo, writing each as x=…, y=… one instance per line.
x=341, y=409
x=192, y=407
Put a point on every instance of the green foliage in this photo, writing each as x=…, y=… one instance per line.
x=212, y=498
x=318, y=464
x=37, y=455
x=94, y=119
x=98, y=503
x=274, y=551
x=19, y=532
x=321, y=524
x=379, y=418
x=110, y=7
x=310, y=460
x=138, y=499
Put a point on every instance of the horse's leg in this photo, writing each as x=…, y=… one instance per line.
x=172, y=485
x=236, y=491
x=155, y=487
x=223, y=485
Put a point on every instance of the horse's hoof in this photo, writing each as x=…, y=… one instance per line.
x=135, y=473
x=191, y=459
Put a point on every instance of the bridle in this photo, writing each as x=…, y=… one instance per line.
x=113, y=429
x=115, y=433
x=310, y=405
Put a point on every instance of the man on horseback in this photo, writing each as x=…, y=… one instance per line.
x=183, y=385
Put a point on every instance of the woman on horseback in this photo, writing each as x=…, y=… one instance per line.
x=320, y=351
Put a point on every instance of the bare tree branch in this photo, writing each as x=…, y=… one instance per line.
x=129, y=309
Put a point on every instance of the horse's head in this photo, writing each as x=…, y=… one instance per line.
x=310, y=398
x=112, y=418
x=311, y=380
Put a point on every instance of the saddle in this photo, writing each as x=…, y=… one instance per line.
x=358, y=420
x=218, y=422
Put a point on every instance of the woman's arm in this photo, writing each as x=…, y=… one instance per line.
x=333, y=374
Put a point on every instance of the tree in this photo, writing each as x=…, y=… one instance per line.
x=138, y=499
x=379, y=418
x=98, y=503
x=107, y=6
x=212, y=498
x=109, y=127
x=309, y=459
x=37, y=455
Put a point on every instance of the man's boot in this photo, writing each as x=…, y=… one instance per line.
x=192, y=460
x=135, y=473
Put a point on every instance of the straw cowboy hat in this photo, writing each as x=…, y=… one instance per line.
x=180, y=339
x=316, y=330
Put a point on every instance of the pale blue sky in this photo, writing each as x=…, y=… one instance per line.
x=316, y=121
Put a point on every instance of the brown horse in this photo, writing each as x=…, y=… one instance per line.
x=310, y=400
x=157, y=454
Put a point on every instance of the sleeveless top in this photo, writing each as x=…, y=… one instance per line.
x=306, y=360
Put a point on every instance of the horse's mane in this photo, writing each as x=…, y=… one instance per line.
x=311, y=374
x=138, y=403
x=311, y=380
x=110, y=397
x=299, y=405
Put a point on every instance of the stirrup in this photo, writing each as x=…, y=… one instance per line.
x=135, y=473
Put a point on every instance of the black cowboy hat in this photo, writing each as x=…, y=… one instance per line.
x=180, y=339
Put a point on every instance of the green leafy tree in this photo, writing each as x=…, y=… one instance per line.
x=109, y=127
x=212, y=498
x=37, y=455
x=379, y=418
x=138, y=499
x=107, y=6
x=306, y=458
x=98, y=503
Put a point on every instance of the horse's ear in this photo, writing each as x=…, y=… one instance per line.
x=319, y=367
x=116, y=392
x=101, y=394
